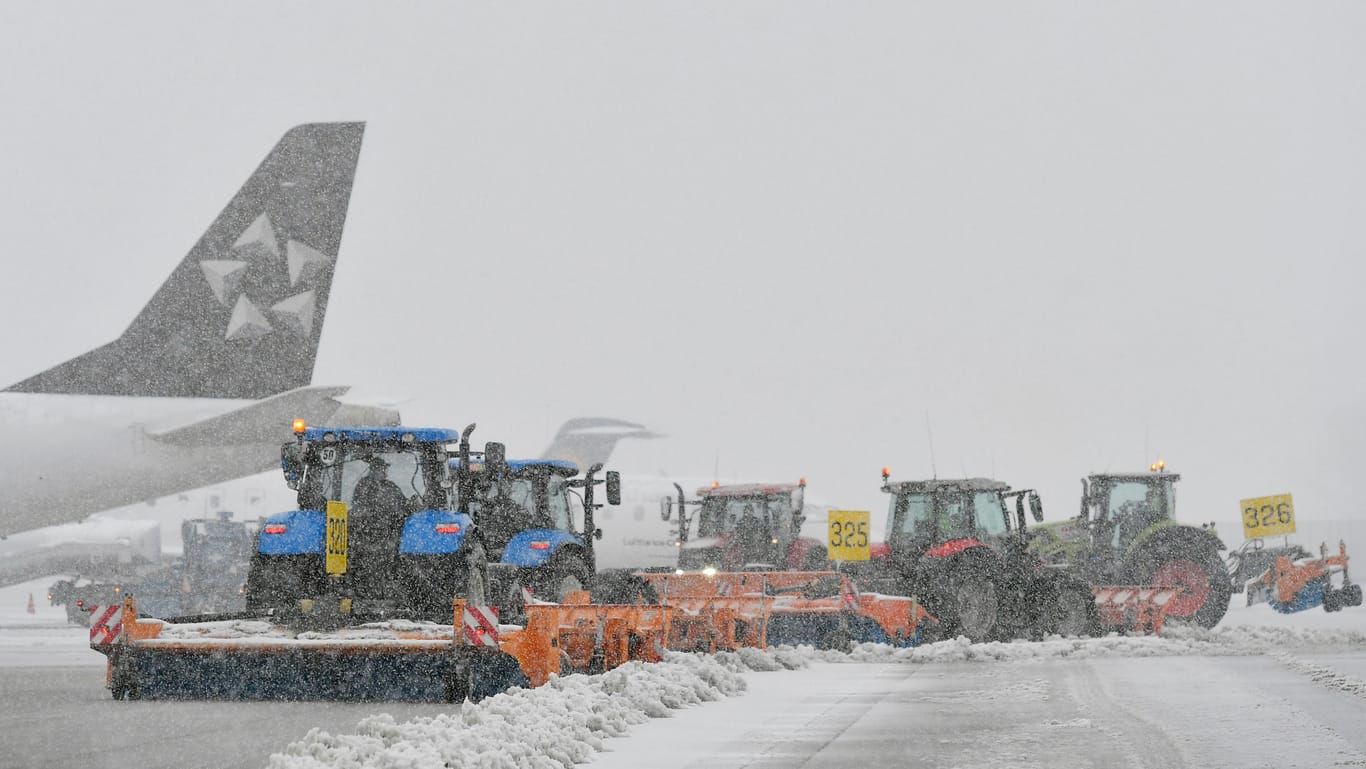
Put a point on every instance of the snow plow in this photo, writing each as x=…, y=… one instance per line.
x=824, y=609
x=1127, y=534
x=376, y=589
x=382, y=660
x=955, y=545
x=745, y=527
x=1293, y=585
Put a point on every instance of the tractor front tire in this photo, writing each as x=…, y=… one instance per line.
x=1069, y=611
x=976, y=607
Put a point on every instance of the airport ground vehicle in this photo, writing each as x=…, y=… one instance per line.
x=1291, y=585
x=954, y=545
x=209, y=577
x=378, y=589
x=1127, y=534
x=524, y=511
x=745, y=527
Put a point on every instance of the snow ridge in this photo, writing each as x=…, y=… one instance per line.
x=554, y=726
x=1324, y=676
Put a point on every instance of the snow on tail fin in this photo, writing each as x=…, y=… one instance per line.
x=242, y=314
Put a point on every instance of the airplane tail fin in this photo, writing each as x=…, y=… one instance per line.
x=242, y=314
x=590, y=440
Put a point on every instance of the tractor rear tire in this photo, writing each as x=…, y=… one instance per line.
x=976, y=608
x=1206, y=586
x=620, y=589
x=1069, y=611
x=564, y=574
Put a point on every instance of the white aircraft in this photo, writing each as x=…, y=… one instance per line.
x=202, y=386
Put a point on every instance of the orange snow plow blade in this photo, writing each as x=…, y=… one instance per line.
x=1134, y=608
x=820, y=608
x=473, y=657
x=583, y=638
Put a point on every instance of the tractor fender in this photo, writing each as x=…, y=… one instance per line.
x=297, y=532
x=935, y=575
x=534, y=547
x=434, y=532
x=802, y=549
x=1170, y=535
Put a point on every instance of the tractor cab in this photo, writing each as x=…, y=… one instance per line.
x=956, y=546
x=1127, y=534
x=1118, y=508
x=753, y=526
x=950, y=515
x=525, y=511
x=375, y=527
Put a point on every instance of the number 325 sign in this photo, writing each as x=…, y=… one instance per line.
x=1268, y=516
x=848, y=535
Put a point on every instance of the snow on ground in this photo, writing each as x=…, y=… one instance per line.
x=571, y=719
x=43, y=637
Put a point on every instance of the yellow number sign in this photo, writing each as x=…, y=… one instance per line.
x=848, y=535
x=1268, y=516
x=336, y=538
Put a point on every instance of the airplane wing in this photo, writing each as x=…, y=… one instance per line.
x=270, y=419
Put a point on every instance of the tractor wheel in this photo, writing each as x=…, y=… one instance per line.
x=1070, y=611
x=975, y=607
x=817, y=559
x=124, y=683
x=618, y=589
x=1332, y=600
x=279, y=581
x=1351, y=595
x=564, y=574
x=1204, y=582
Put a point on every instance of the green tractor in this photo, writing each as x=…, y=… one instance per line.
x=1127, y=534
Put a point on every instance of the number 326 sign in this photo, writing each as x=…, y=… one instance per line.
x=1268, y=516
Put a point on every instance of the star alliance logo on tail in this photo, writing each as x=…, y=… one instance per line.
x=257, y=272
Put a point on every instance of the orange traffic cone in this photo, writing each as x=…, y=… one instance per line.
x=31, y=610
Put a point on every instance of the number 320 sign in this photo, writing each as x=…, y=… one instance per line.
x=1268, y=516
x=848, y=535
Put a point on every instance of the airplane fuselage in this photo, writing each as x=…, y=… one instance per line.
x=66, y=456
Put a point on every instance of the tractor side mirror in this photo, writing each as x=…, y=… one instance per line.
x=597, y=534
x=613, y=487
x=666, y=508
x=1036, y=507
x=495, y=454
x=292, y=463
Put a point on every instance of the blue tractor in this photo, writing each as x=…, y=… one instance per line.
x=524, y=511
x=380, y=530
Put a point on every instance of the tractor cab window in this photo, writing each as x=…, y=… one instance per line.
x=336, y=470
x=909, y=515
x=557, y=504
x=1128, y=498
x=990, y=511
x=779, y=518
x=955, y=516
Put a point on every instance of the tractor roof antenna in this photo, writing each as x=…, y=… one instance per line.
x=933, y=472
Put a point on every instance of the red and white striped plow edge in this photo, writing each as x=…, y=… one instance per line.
x=481, y=625
x=106, y=622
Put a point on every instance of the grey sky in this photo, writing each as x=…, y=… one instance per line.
x=1074, y=235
